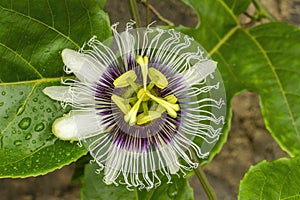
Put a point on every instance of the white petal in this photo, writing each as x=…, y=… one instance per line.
x=59, y=93
x=200, y=71
x=76, y=125
x=85, y=67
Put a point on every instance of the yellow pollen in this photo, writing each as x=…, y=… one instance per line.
x=121, y=103
x=157, y=78
x=171, y=98
x=125, y=79
x=170, y=107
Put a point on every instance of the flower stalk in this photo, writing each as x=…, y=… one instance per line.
x=135, y=13
x=203, y=180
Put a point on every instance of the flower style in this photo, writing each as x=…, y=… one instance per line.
x=143, y=100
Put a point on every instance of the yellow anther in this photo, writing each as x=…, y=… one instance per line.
x=170, y=107
x=160, y=109
x=157, y=78
x=144, y=118
x=121, y=103
x=143, y=62
x=130, y=117
x=171, y=98
x=125, y=79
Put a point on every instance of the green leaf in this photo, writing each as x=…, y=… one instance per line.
x=279, y=179
x=32, y=36
x=93, y=187
x=263, y=59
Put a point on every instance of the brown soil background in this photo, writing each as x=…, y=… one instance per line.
x=248, y=142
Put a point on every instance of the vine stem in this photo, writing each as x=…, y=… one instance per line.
x=156, y=13
x=203, y=180
x=135, y=13
x=205, y=184
x=259, y=6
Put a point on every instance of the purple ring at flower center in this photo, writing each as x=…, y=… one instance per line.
x=137, y=137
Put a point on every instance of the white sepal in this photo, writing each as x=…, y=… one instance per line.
x=65, y=128
x=59, y=93
x=85, y=67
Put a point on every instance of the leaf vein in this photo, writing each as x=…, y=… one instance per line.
x=51, y=12
x=37, y=81
x=22, y=106
x=43, y=24
x=273, y=69
x=223, y=40
x=23, y=59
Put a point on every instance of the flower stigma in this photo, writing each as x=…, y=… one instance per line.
x=139, y=113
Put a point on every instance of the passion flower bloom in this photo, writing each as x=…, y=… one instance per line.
x=143, y=100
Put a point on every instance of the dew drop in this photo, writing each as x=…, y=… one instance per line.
x=35, y=99
x=1, y=104
x=33, y=141
x=49, y=110
x=42, y=107
x=3, y=93
x=17, y=142
x=21, y=92
x=25, y=123
x=34, y=109
x=13, y=131
x=39, y=127
x=28, y=136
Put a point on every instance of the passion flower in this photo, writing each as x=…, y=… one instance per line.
x=143, y=100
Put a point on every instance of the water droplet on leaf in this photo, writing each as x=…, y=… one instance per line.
x=3, y=93
x=33, y=141
x=28, y=136
x=39, y=127
x=49, y=110
x=35, y=99
x=1, y=104
x=17, y=142
x=25, y=123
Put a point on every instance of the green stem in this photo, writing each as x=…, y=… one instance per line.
x=135, y=13
x=147, y=13
x=205, y=184
x=203, y=180
x=263, y=10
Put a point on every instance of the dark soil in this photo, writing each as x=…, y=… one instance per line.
x=248, y=142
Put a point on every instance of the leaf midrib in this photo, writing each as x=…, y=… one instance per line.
x=269, y=63
x=23, y=59
x=41, y=23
